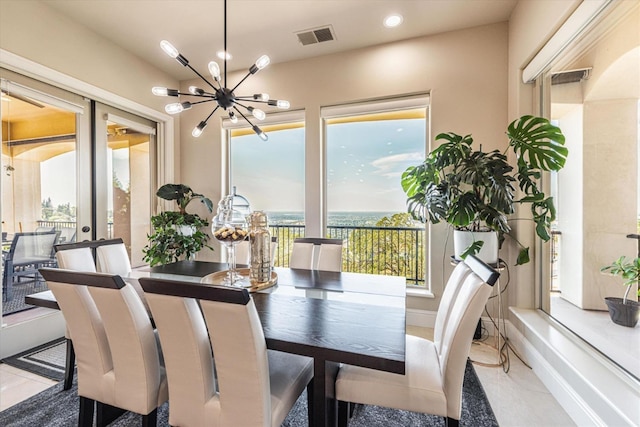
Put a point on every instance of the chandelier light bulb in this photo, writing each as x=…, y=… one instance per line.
x=169, y=49
x=177, y=107
x=257, y=113
x=195, y=90
x=163, y=91
x=214, y=70
x=224, y=55
x=261, y=97
x=160, y=91
x=197, y=131
x=262, y=62
x=263, y=136
x=279, y=103
x=233, y=117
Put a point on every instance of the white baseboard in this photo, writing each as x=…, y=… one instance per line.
x=590, y=388
x=422, y=318
x=23, y=336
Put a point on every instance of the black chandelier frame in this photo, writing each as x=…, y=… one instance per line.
x=220, y=93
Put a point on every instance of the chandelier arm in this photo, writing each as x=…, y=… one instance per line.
x=243, y=116
x=250, y=99
x=243, y=106
x=202, y=102
x=208, y=95
x=202, y=77
x=211, y=114
x=240, y=82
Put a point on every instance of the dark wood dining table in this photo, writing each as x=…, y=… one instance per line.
x=333, y=317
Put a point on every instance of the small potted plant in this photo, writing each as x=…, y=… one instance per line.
x=177, y=234
x=474, y=190
x=624, y=311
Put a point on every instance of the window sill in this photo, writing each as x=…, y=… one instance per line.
x=419, y=292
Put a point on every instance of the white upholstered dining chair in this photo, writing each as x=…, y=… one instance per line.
x=118, y=358
x=219, y=369
x=113, y=259
x=311, y=253
x=434, y=369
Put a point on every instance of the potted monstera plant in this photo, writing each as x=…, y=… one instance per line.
x=475, y=191
x=177, y=234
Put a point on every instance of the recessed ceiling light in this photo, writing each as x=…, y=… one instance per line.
x=392, y=21
x=221, y=55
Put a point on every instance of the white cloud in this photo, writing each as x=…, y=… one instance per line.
x=389, y=165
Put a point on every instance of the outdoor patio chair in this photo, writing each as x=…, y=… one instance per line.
x=28, y=252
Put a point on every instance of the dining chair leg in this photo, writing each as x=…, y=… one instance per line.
x=451, y=422
x=343, y=413
x=69, y=365
x=151, y=419
x=85, y=417
x=106, y=414
x=310, y=402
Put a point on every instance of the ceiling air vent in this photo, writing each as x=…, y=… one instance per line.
x=316, y=35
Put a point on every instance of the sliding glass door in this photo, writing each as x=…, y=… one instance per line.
x=66, y=178
x=125, y=147
x=45, y=180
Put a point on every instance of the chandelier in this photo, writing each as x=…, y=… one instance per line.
x=218, y=91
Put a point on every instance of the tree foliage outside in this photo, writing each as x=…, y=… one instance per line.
x=64, y=212
x=394, y=247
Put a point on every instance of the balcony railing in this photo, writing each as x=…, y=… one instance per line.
x=394, y=251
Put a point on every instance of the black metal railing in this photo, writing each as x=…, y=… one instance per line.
x=394, y=251
x=59, y=225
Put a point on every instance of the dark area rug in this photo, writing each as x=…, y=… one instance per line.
x=57, y=408
x=47, y=360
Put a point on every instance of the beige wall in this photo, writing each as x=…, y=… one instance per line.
x=41, y=34
x=464, y=71
x=37, y=32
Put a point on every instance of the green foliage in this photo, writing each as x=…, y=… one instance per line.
x=63, y=212
x=629, y=270
x=167, y=244
x=183, y=195
x=391, y=252
x=475, y=190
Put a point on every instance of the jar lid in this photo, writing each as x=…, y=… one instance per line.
x=258, y=219
x=240, y=203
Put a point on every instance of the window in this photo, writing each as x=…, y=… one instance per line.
x=367, y=147
x=270, y=175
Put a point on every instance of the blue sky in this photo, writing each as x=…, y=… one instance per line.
x=364, y=164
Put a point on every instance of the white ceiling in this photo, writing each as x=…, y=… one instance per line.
x=256, y=27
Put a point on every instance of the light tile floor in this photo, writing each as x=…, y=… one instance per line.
x=518, y=398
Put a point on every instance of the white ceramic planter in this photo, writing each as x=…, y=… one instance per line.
x=463, y=239
x=185, y=230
